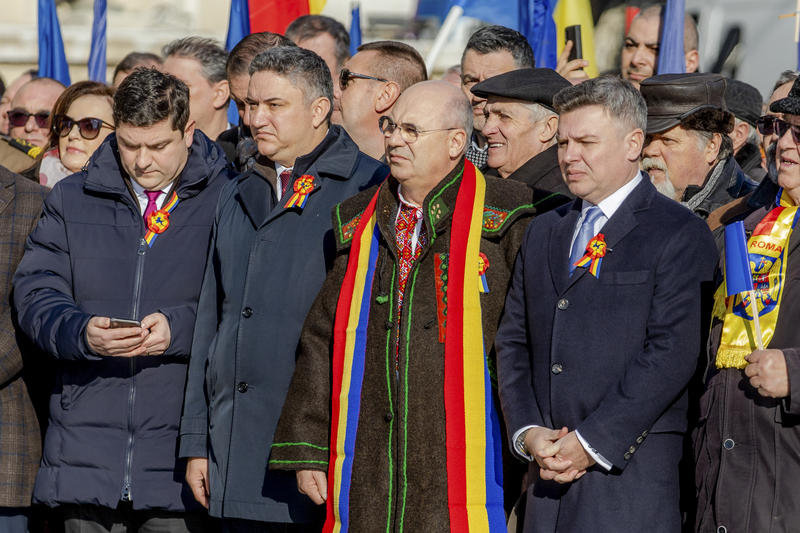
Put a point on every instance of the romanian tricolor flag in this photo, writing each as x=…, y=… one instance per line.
x=473, y=454
x=273, y=15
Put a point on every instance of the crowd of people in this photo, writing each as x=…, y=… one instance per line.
x=496, y=301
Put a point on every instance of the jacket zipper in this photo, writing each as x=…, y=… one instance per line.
x=137, y=289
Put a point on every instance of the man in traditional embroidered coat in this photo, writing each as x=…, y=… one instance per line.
x=601, y=330
x=748, y=438
x=423, y=266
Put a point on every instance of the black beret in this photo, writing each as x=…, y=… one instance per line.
x=535, y=85
x=791, y=104
x=743, y=100
x=671, y=98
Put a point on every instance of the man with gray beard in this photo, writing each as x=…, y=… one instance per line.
x=688, y=153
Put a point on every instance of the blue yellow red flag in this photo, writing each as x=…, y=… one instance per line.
x=355, y=28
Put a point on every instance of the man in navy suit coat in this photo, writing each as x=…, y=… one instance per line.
x=594, y=360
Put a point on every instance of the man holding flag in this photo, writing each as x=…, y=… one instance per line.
x=748, y=436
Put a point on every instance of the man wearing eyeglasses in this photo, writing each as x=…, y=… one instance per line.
x=370, y=83
x=29, y=122
x=688, y=153
x=422, y=260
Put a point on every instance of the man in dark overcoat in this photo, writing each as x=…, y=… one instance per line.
x=272, y=247
x=20, y=440
x=400, y=474
x=601, y=330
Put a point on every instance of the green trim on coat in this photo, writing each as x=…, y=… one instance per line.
x=280, y=444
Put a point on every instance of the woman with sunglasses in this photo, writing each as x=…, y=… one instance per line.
x=81, y=121
x=748, y=439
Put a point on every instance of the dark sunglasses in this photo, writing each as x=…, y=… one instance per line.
x=345, y=76
x=19, y=117
x=769, y=125
x=88, y=127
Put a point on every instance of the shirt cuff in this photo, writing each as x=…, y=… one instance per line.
x=519, y=448
x=599, y=459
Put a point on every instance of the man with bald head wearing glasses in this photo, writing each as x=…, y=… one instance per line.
x=426, y=258
x=370, y=83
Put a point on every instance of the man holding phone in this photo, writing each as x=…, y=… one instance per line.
x=108, y=287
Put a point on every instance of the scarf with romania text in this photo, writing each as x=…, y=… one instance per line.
x=766, y=250
x=474, y=471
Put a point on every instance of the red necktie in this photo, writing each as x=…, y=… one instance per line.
x=286, y=177
x=404, y=237
x=152, y=207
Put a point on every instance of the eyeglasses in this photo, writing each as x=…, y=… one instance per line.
x=345, y=76
x=769, y=125
x=19, y=117
x=408, y=132
x=88, y=127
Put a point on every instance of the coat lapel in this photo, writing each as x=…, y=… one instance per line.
x=255, y=195
x=560, y=240
x=6, y=191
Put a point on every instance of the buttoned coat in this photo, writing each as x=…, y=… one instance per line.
x=20, y=440
x=399, y=479
x=609, y=356
x=265, y=267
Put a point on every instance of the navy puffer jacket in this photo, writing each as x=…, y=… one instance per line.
x=114, y=420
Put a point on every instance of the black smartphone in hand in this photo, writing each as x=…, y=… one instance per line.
x=573, y=33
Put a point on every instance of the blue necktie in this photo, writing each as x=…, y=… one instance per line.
x=585, y=234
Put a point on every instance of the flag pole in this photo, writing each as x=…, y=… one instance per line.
x=756, y=323
x=447, y=28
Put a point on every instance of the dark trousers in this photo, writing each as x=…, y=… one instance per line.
x=236, y=525
x=124, y=519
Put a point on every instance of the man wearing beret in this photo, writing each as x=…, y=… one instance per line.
x=744, y=101
x=520, y=129
x=688, y=153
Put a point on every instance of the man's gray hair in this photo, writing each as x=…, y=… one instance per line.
x=786, y=76
x=304, y=69
x=620, y=99
x=462, y=111
x=207, y=52
x=725, y=145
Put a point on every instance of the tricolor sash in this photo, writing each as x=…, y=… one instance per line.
x=767, y=254
x=473, y=454
x=159, y=220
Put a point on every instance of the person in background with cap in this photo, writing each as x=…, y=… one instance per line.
x=688, y=153
x=745, y=102
x=748, y=437
x=520, y=129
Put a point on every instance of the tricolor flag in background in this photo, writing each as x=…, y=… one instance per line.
x=671, y=56
x=541, y=21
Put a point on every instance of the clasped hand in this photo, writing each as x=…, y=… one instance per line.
x=559, y=454
x=151, y=338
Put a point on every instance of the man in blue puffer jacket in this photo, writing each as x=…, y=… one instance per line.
x=125, y=238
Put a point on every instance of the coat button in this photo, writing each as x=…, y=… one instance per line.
x=626, y=456
x=247, y=312
x=388, y=417
x=556, y=368
x=722, y=529
x=632, y=449
x=563, y=303
x=389, y=324
x=639, y=439
x=728, y=444
x=242, y=386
